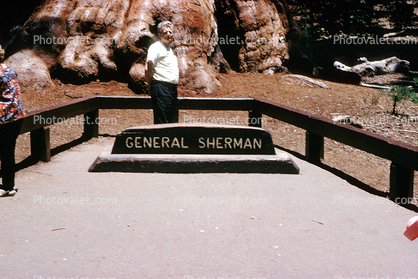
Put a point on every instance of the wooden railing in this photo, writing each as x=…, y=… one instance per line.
x=404, y=157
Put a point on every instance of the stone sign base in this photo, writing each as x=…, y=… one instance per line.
x=194, y=148
x=195, y=163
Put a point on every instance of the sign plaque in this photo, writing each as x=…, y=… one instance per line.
x=184, y=148
x=193, y=139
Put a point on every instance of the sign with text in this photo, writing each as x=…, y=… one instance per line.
x=194, y=139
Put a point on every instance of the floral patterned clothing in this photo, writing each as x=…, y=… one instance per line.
x=10, y=99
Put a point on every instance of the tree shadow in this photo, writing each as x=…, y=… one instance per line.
x=350, y=179
x=31, y=160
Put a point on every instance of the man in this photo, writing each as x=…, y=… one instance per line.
x=10, y=111
x=162, y=75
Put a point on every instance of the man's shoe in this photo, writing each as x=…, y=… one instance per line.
x=12, y=192
x=4, y=193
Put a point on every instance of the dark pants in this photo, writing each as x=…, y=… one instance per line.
x=164, y=102
x=8, y=136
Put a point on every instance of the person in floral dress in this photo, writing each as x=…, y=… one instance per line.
x=11, y=111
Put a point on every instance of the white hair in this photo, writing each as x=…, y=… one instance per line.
x=164, y=24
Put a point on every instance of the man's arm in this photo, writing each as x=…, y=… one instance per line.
x=149, y=71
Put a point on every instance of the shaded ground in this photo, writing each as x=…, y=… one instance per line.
x=367, y=105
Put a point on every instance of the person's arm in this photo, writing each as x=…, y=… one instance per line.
x=149, y=71
x=6, y=94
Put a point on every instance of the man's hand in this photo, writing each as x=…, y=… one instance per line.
x=149, y=71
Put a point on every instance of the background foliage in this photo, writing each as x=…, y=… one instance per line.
x=321, y=18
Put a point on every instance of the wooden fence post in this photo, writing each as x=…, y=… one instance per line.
x=255, y=119
x=401, y=183
x=40, y=144
x=91, y=124
x=314, y=147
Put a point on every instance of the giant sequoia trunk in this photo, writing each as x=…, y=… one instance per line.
x=81, y=40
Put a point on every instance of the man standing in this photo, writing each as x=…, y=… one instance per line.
x=10, y=112
x=162, y=75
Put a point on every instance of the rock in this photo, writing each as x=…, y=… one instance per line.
x=341, y=118
x=371, y=68
x=346, y=119
x=80, y=41
x=375, y=86
x=33, y=73
x=306, y=81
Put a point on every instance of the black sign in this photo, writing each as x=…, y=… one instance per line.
x=194, y=139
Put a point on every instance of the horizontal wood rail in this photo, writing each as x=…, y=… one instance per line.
x=401, y=153
x=404, y=157
x=40, y=118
